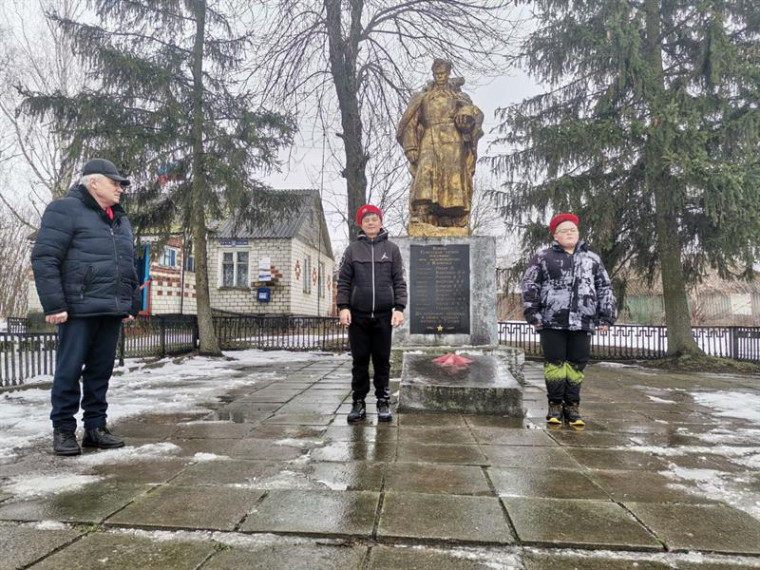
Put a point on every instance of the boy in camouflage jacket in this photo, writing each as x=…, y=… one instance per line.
x=567, y=296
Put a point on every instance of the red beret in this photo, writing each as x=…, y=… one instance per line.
x=367, y=209
x=559, y=218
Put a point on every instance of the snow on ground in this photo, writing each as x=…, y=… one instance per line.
x=737, y=445
x=36, y=485
x=660, y=400
x=149, y=451
x=173, y=386
x=742, y=405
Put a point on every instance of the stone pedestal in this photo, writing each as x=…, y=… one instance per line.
x=453, y=308
x=485, y=386
x=452, y=291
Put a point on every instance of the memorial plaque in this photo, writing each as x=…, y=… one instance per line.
x=439, y=278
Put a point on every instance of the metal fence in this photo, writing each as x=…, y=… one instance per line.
x=286, y=333
x=154, y=335
x=25, y=355
x=639, y=342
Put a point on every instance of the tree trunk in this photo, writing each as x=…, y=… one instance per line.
x=667, y=204
x=209, y=344
x=343, y=69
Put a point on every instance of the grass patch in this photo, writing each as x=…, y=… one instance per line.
x=703, y=363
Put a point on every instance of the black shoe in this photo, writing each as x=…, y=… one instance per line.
x=384, y=411
x=102, y=438
x=65, y=442
x=358, y=411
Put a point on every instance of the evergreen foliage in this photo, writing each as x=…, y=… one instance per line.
x=649, y=130
x=170, y=110
x=140, y=115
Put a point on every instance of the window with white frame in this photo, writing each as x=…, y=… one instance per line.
x=307, y=274
x=235, y=269
x=169, y=256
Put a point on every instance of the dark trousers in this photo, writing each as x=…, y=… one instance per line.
x=86, y=349
x=566, y=354
x=370, y=337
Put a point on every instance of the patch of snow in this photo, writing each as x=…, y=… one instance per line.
x=202, y=457
x=50, y=525
x=175, y=386
x=332, y=485
x=130, y=454
x=613, y=365
x=718, y=486
x=742, y=405
x=693, y=474
x=746, y=437
x=37, y=485
x=301, y=443
x=233, y=539
x=660, y=400
x=283, y=480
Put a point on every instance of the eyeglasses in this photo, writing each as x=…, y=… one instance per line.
x=568, y=231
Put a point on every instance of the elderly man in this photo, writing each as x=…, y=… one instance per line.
x=84, y=270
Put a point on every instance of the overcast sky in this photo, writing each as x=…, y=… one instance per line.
x=302, y=163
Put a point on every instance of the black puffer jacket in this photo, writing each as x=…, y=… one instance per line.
x=83, y=262
x=567, y=291
x=371, y=278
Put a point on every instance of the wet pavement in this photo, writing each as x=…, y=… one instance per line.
x=273, y=477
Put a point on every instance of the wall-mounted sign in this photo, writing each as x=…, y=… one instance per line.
x=265, y=269
x=232, y=242
x=263, y=294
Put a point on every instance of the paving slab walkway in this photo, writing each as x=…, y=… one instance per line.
x=273, y=477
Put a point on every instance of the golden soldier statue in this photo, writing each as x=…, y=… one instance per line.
x=439, y=132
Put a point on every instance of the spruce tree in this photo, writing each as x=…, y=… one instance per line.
x=170, y=111
x=649, y=130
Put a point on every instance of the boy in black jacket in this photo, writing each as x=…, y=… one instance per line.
x=371, y=299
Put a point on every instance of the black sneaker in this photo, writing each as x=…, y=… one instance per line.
x=65, y=442
x=102, y=438
x=573, y=415
x=384, y=411
x=358, y=412
x=554, y=415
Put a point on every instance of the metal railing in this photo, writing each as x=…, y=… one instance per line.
x=26, y=355
x=645, y=342
x=156, y=335
x=281, y=332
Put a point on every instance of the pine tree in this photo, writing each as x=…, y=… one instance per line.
x=170, y=111
x=650, y=131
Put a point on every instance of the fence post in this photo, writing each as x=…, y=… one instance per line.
x=196, y=333
x=734, y=343
x=163, y=337
x=122, y=342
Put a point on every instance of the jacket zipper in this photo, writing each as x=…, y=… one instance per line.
x=372, y=249
x=116, y=259
x=573, y=295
